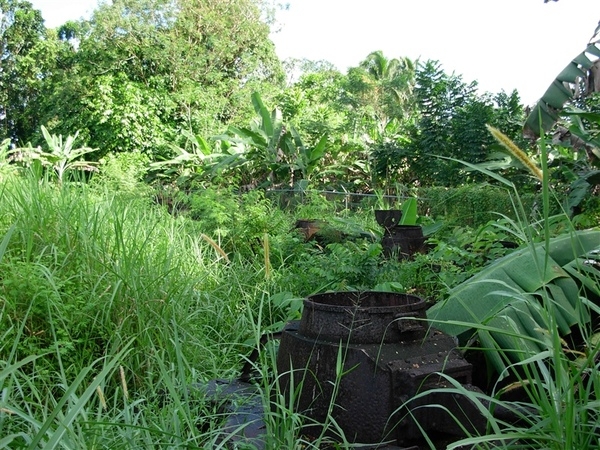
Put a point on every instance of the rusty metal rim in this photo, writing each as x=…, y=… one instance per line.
x=315, y=301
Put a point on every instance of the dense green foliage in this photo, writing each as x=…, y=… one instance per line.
x=452, y=124
x=154, y=165
x=147, y=75
x=30, y=55
x=137, y=73
x=122, y=304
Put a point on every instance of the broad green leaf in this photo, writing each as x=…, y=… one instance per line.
x=260, y=109
x=541, y=117
x=576, y=112
x=253, y=137
x=506, y=295
x=198, y=142
x=409, y=212
x=319, y=150
x=556, y=95
x=577, y=193
x=276, y=132
x=584, y=62
x=572, y=71
x=296, y=137
x=567, y=247
x=587, y=275
x=593, y=49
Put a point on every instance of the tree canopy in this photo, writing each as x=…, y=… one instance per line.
x=138, y=71
x=152, y=76
x=29, y=55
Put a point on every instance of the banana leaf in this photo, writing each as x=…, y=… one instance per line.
x=409, y=212
x=503, y=305
x=564, y=88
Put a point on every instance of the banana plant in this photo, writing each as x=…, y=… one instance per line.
x=586, y=126
x=510, y=305
x=585, y=175
x=272, y=150
x=307, y=158
x=62, y=156
x=190, y=161
x=565, y=87
x=259, y=145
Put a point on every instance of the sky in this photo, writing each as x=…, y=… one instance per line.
x=501, y=44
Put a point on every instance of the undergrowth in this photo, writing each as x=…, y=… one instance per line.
x=113, y=305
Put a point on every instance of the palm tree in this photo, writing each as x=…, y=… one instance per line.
x=395, y=75
x=384, y=88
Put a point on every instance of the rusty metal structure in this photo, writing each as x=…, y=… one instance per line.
x=369, y=360
x=401, y=240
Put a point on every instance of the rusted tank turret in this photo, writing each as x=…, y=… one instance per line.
x=401, y=240
x=368, y=354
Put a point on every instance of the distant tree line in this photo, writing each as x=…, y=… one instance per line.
x=162, y=77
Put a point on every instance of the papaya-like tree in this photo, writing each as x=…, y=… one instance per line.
x=450, y=123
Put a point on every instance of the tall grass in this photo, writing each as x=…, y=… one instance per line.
x=110, y=309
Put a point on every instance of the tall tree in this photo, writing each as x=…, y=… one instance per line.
x=380, y=90
x=451, y=124
x=28, y=56
x=149, y=68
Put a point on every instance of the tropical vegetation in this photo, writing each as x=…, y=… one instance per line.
x=155, y=164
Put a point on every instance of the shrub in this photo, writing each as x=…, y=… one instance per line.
x=470, y=205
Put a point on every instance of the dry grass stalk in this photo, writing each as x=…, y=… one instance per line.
x=214, y=245
x=123, y=382
x=101, y=397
